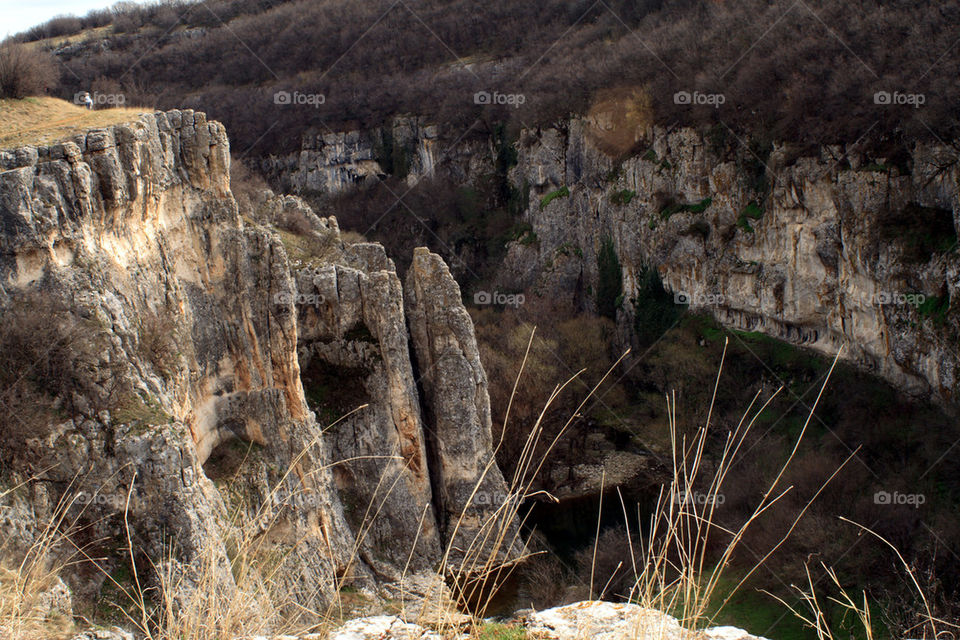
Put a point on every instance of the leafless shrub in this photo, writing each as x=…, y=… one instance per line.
x=52, y=366
x=247, y=187
x=158, y=341
x=543, y=582
x=25, y=71
x=609, y=561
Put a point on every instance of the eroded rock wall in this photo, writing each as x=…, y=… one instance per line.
x=476, y=514
x=213, y=440
x=830, y=256
x=135, y=222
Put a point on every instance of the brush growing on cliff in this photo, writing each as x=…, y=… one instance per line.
x=677, y=571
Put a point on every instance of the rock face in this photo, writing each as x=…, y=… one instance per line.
x=821, y=250
x=331, y=162
x=204, y=438
x=136, y=223
x=589, y=619
x=832, y=255
x=618, y=621
x=382, y=628
x=475, y=517
x=354, y=352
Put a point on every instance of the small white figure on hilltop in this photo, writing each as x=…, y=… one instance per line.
x=88, y=100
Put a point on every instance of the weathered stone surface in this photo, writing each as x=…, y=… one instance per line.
x=355, y=360
x=818, y=268
x=104, y=634
x=382, y=628
x=141, y=224
x=474, y=505
x=618, y=621
x=136, y=222
x=331, y=162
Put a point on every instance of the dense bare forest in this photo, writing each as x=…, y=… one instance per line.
x=818, y=71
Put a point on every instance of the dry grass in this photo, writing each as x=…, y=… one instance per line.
x=25, y=580
x=811, y=606
x=96, y=33
x=672, y=570
x=44, y=120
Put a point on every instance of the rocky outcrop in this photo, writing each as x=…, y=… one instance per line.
x=617, y=621
x=355, y=362
x=134, y=230
x=475, y=510
x=843, y=249
x=222, y=372
x=821, y=250
x=332, y=162
x=588, y=619
x=381, y=628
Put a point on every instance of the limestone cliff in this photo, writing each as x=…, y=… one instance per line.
x=821, y=249
x=842, y=249
x=212, y=438
x=331, y=162
x=475, y=513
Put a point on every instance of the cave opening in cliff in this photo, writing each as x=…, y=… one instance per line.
x=228, y=458
x=333, y=391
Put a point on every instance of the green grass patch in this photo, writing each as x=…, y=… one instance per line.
x=523, y=233
x=753, y=211
x=562, y=192
x=780, y=354
x=140, y=413
x=497, y=631
x=567, y=249
x=685, y=207
x=935, y=307
x=623, y=196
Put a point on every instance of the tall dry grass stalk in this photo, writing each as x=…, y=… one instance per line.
x=811, y=609
x=200, y=602
x=672, y=569
x=674, y=572
x=496, y=550
x=26, y=578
